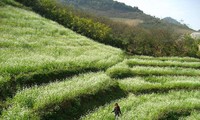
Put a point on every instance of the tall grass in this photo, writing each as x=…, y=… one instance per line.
x=164, y=79
x=195, y=115
x=135, y=62
x=36, y=101
x=35, y=50
x=32, y=45
x=122, y=70
x=151, y=107
x=29, y=40
x=11, y=2
x=140, y=85
x=181, y=59
x=138, y=70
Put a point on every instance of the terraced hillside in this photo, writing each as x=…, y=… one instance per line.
x=158, y=89
x=49, y=72
x=35, y=50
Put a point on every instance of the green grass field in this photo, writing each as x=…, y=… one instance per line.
x=32, y=46
x=152, y=107
x=49, y=72
x=130, y=67
x=38, y=100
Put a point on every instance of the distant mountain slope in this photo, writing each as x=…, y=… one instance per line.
x=171, y=20
x=116, y=10
x=102, y=5
x=108, y=8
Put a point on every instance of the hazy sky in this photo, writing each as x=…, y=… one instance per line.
x=186, y=10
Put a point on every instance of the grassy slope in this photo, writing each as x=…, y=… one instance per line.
x=150, y=107
x=131, y=68
x=159, y=83
x=34, y=50
x=33, y=47
x=37, y=100
x=29, y=42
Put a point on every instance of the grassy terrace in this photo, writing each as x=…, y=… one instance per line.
x=151, y=67
x=160, y=63
x=36, y=50
x=43, y=101
x=172, y=105
x=157, y=76
x=195, y=115
x=159, y=84
x=180, y=59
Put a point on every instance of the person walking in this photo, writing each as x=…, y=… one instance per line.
x=117, y=111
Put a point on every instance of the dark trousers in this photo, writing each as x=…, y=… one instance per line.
x=116, y=116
